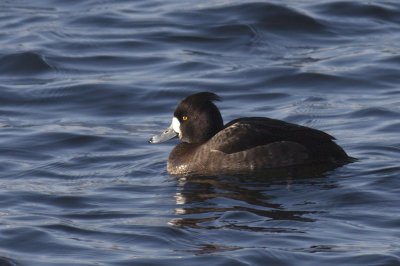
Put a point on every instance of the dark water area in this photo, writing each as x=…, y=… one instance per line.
x=84, y=84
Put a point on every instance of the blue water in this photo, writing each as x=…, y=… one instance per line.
x=84, y=84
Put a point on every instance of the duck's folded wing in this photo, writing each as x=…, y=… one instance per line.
x=247, y=133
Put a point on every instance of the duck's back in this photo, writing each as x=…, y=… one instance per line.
x=246, y=133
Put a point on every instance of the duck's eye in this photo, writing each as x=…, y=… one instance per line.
x=184, y=118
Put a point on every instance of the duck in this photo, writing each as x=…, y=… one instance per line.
x=243, y=146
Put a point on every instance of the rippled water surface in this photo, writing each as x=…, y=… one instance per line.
x=84, y=84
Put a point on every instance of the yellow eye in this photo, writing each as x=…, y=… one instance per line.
x=184, y=118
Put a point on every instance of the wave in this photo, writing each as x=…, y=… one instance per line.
x=25, y=63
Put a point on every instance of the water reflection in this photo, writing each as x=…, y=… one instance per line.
x=239, y=203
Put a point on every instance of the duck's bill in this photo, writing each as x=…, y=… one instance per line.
x=168, y=134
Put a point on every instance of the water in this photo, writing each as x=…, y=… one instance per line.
x=84, y=84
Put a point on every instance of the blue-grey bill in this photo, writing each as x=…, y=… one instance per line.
x=168, y=134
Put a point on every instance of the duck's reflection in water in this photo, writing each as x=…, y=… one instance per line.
x=241, y=203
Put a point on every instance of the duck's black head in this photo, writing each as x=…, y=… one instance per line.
x=196, y=119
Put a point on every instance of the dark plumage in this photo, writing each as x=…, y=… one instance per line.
x=242, y=146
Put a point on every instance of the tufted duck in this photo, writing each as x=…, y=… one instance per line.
x=244, y=145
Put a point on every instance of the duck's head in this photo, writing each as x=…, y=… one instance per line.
x=196, y=119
